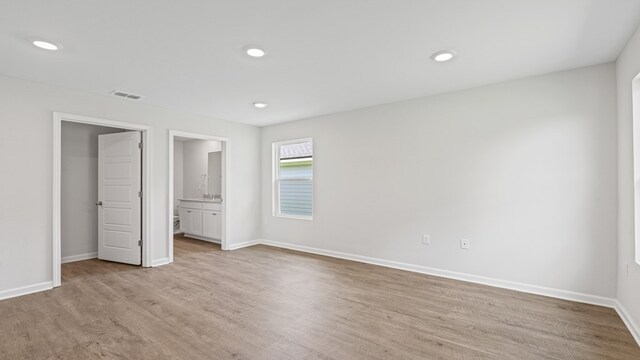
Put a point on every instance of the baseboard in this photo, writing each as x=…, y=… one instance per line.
x=634, y=329
x=159, y=262
x=201, y=238
x=25, y=290
x=244, y=244
x=531, y=289
x=72, y=258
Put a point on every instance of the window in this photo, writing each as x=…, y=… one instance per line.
x=293, y=179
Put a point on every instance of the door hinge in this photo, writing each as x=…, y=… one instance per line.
x=140, y=193
x=140, y=146
x=139, y=242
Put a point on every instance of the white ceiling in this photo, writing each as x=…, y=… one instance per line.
x=324, y=56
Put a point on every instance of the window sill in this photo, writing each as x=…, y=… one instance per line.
x=294, y=217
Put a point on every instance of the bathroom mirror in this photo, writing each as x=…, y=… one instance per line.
x=214, y=173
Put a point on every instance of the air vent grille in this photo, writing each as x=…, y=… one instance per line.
x=125, y=95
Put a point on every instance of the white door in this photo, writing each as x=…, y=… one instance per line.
x=119, y=200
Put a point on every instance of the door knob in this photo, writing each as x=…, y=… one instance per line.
x=99, y=203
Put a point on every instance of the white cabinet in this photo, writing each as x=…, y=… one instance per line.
x=211, y=224
x=191, y=221
x=201, y=220
x=195, y=217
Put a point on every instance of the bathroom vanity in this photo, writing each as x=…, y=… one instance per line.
x=201, y=219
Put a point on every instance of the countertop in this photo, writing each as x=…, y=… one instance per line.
x=215, y=201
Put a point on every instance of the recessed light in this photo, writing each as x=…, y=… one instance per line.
x=45, y=45
x=255, y=52
x=444, y=55
x=260, y=105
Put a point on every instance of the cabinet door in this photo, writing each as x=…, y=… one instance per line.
x=196, y=222
x=211, y=224
x=217, y=225
x=185, y=221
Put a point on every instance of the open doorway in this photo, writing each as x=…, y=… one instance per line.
x=99, y=181
x=198, y=181
x=82, y=205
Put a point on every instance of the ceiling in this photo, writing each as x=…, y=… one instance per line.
x=323, y=56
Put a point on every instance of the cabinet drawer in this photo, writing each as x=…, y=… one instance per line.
x=190, y=205
x=210, y=206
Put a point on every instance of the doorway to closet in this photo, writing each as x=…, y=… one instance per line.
x=99, y=184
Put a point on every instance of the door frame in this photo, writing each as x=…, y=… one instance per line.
x=147, y=137
x=224, y=241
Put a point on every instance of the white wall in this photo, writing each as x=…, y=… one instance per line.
x=79, y=188
x=628, y=67
x=196, y=163
x=178, y=174
x=25, y=152
x=526, y=170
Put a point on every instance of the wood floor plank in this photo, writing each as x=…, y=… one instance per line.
x=267, y=303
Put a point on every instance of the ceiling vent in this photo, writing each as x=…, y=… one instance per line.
x=123, y=94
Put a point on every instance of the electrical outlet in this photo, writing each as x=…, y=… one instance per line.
x=465, y=244
x=426, y=239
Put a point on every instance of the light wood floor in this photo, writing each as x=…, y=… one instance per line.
x=267, y=303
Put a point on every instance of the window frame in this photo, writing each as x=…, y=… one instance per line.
x=275, y=171
x=635, y=114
